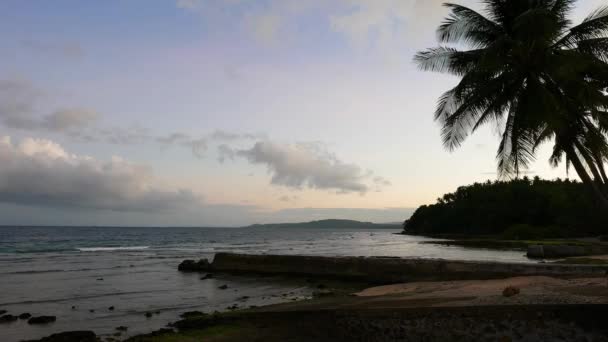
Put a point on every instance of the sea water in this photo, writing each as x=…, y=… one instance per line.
x=77, y=273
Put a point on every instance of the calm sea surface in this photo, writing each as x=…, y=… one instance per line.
x=49, y=270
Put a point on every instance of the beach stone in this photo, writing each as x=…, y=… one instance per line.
x=122, y=328
x=194, y=266
x=510, y=291
x=148, y=314
x=8, y=318
x=207, y=276
x=70, y=336
x=2, y=312
x=111, y=308
x=25, y=315
x=191, y=314
x=536, y=251
x=42, y=320
x=223, y=287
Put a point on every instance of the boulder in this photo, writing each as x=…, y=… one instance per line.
x=111, y=308
x=25, y=315
x=536, y=251
x=70, y=336
x=148, y=314
x=510, y=291
x=42, y=320
x=194, y=266
x=8, y=318
x=223, y=287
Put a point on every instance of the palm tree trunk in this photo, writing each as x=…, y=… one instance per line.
x=600, y=165
x=591, y=165
x=600, y=199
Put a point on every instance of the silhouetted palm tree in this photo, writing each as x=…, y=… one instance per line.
x=525, y=67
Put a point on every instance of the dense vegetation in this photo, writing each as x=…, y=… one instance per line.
x=523, y=66
x=521, y=208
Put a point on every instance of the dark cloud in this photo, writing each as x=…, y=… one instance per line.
x=18, y=102
x=40, y=172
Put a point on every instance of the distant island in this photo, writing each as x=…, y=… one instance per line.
x=329, y=224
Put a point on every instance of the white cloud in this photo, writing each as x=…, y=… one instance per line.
x=304, y=165
x=41, y=172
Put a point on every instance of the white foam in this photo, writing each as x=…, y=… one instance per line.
x=109, y=249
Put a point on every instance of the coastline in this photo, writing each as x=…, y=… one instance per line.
x=344, y=310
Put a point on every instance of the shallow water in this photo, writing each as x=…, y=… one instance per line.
x=46, y=271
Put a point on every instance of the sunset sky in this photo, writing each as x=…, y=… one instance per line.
x=226, y=112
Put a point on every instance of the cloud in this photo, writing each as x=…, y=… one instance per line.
x=40, y=172
x=381, y=26
x=308, y=165
x=18, y=102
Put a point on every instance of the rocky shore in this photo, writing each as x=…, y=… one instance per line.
x=383, y=269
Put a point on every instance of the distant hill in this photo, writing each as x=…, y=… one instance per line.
x=329, y=224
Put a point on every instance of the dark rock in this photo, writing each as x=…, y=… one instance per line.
x=99, y=278
x=42, y=320
x=194, y=266
x=70, y=336
x=323, y=293
x=73, y=307
x=157, y=313
x=321, y=286
x=25, y=315
x=111, y=308
x=8, y=318
x=191, y=314
x=510, y=291
x=207, y=276
x=223, y=287
x=91, y=310
x=2, y=312
x=122, y=328
x=148, y=314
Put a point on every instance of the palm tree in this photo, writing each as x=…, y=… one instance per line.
x=526, y=68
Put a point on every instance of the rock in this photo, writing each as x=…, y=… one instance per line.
x=194, y=266
x=70, y=336
x=207, y=276
x=148, y=314
x=157, y=313
x=99, y=278
x=25, y=315
x=321, y=286
x=223, y=287
x=73, y=307
x=8, y=318
x=2, y=312
x=323, y=293
x=510, y=291
x=91, y=310
x=42, y=320
x=536, y=251
x=111, y=308
x=122, y=328
x=192, y=314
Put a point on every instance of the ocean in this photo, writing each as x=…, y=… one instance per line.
x=78, y=273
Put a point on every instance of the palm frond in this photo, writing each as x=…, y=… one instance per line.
x=464, y=25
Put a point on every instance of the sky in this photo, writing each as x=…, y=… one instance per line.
x=227, y=112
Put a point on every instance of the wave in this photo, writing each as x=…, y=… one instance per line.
x=110, y=249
